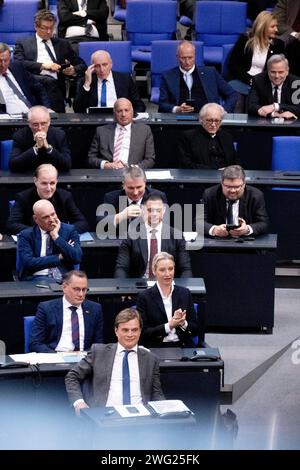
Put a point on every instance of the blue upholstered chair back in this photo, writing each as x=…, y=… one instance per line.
x=27, y=330
x=218, y=23
x=120, y=52
x=286, y=153
x=5, y=151
x=149, y=21
x=16, y=19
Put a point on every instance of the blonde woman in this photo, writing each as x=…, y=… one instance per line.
x=252, y=51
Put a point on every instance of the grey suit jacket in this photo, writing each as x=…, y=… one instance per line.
x=90, y=378
x=141, y=151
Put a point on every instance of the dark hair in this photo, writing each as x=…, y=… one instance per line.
x=44, y=15
x=126, y=315
x=67, y=277
x=153, y=196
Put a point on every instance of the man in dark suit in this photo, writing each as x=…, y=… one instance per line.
x=45, y=187
x=82, y=21
x=167, y=310
x=102, y=87
x=39, y=143
x=18, y=89
x=275, y=93
x=51, y=60
x=54, y=324
x=188, y=82
x=104, y=368
x=287, y=13
x=234, y=204
x=208, y=146
x=124, y=143
x=135, y=253
x=48, y=249
x=122, y=205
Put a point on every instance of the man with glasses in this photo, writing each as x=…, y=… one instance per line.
x=52, y=60
x=39, y=143
x=207, y=146
x=233, y=208
x=185, y=89
x=70, y=323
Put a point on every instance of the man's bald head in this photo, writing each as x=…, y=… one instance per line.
x=123, y=111
x=44, y=214
x=102, y=62
x=45, y=180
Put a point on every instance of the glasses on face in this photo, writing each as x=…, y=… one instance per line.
x=232, y=188
x=78, y=290
x=36, y=125
x=213, y=121
x=46, y=28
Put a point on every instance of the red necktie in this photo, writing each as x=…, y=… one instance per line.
x=153, y=251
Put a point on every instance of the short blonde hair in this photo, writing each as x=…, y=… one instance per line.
x=159, y=257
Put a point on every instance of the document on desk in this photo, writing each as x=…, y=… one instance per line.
x=129, y=411
x=38, y=358
x=159, y=175
x=171, y=407
x=86, y=237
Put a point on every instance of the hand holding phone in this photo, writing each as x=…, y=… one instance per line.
x=190, y=102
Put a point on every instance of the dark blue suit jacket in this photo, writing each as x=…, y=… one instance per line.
x=48, y=324
x=32, y=88
x=29, y=249
x=214, y=86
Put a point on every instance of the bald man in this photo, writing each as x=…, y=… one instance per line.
x=45, y=187
x=118, y=85
x=48, y=249
x=124, y=143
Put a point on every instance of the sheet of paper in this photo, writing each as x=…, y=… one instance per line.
x=189, y=236
x=168, y=406
x=159, y=175
x=141, y=116
x=38, y=358
x=86, y=237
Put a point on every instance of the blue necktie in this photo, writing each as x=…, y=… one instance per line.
x=126, y=379
x=75, y=328
x=103, y=94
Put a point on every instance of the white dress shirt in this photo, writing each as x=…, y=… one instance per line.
x=44, y=238
x=43, y=57
x=258, y=61
x=167, y=301
x=115, y=394
x=65, y=343
x=235, y=214
x=13, y=103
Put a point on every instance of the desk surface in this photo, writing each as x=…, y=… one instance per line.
x=96, y=286
x=177, y=176
x=157, y=119
x=268, y=241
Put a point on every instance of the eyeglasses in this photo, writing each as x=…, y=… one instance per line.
x=234, y=188
x=78, y=290
x=213, y=121
x=36, y=125
x=46, y=28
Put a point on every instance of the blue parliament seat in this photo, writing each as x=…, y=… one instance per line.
x=16, y=19
x=218, y=23
x=5, y=151
x=286, y=156
x=27, y=330
x=147, y=22
x=164, y=58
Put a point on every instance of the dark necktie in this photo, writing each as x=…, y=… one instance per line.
x=53, y=272
x=229, y=215
x=126, y=379
x=275, y=95
x=50, y=53
x=153, y=251
x=16, y=91
x=75, y=327
x=103, y=102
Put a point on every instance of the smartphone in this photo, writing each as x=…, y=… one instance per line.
x=231, y=227
x=64, y=66
x=190, y=102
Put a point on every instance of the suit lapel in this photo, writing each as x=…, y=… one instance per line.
x=158, y=301
x=94, y=91
x=204, y=82
x=85, y=312
x=142, y=371
x=37, y=240
x=34, y=50
x=133, y=144
x=58, y=314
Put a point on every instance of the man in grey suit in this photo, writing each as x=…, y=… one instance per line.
x=125, y=143
x=104, y=364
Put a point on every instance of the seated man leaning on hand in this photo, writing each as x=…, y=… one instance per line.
x=234, y=208
x=70, y=323
x=123, y=143
x=48, y=249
